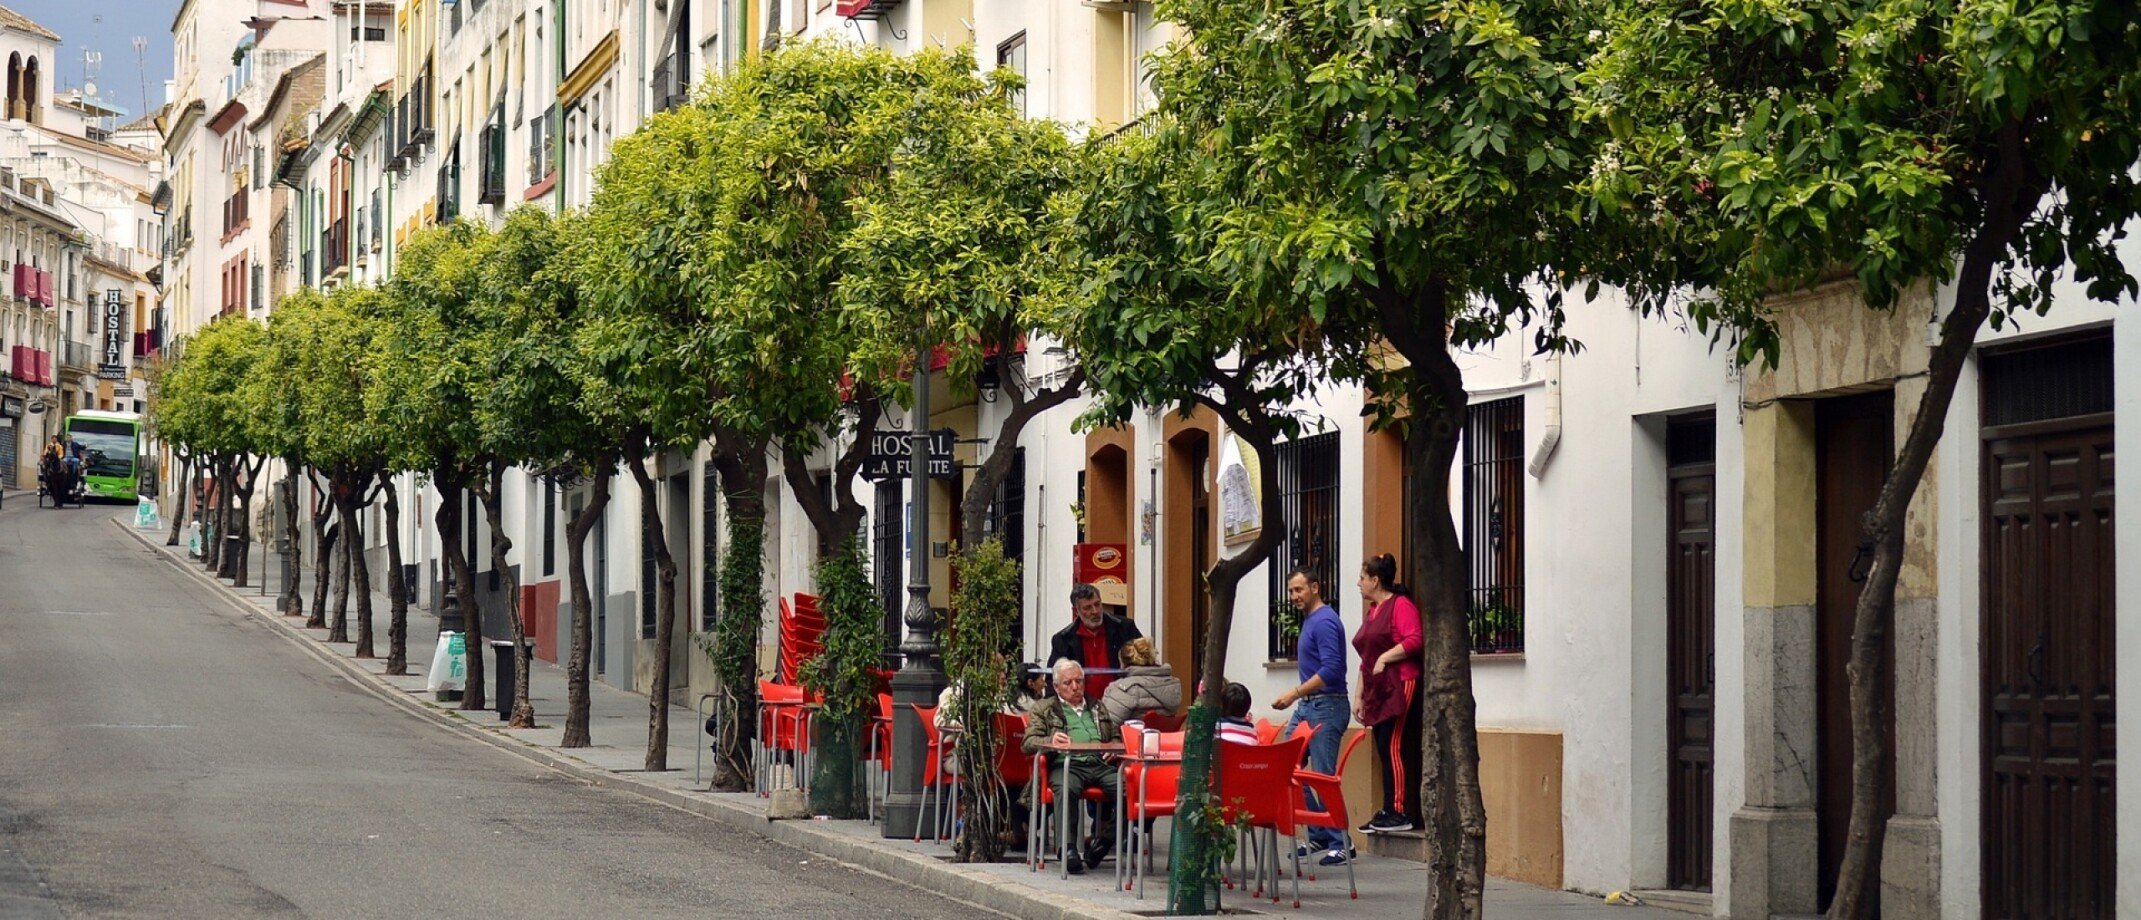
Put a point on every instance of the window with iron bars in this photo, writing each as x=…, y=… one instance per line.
x=1308, y=514
x=885, y=556
x=1494, y=524
x=492, y=188
x=450, y=184
x=542, y=132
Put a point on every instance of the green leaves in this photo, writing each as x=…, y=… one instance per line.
x=1868, y=135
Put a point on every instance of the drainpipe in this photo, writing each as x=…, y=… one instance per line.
x=1552, y=439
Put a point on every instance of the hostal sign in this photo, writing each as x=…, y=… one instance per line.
x=892, y=453
x=113, y=367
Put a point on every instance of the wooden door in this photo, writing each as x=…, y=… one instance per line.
x=2048, y=669
x=1854, y=441
x=1691, y=653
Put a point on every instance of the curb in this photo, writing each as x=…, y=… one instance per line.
x=951, y=880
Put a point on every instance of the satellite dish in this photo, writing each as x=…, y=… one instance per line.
x=89, y=90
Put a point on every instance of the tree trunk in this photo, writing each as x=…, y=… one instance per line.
x=327, y=532
x=1414, y=321
x=448, y=518
x=338, y=624
x=184, y=482
x=650, y=516
x=242, y=490
x=212, y=541
x=2013, y=192
x=583, y=614
x=292, y=602
x=397, y=589
x=360, y=568
x=836, y=522
x=996, y=467
x=743, y=481
x=1190, y=875
x=523, y=714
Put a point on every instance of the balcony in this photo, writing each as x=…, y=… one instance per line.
x=542, y=132
x=77, y=356
x=334, y=247
x=866, y=9
x=671, y=83
x=491, y=174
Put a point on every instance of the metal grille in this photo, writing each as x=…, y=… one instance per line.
x=646, y=576
x=550, y=527
x=885, y=556
x=1494, y=524
x=1308, y=510
x=2048, y=382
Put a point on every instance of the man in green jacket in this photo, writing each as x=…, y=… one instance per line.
x=1071, y=717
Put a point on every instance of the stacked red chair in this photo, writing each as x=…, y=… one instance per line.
x=802, y=635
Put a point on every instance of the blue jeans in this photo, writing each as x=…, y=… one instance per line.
x=1330, y=713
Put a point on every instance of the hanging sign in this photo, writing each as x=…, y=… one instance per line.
x=113, y=366
x=892, y=453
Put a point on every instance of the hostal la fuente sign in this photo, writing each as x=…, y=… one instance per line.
x=113, y=367
x=892, y=453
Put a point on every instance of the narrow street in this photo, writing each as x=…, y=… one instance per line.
x=162, y=756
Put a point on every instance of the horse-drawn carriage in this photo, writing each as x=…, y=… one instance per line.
x=61, y=480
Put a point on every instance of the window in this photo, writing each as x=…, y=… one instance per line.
x=885, y=555
x=492, y=188
x=1012, y=55
x=1494, y=524
x=550, y=526
x=1308, y=509
x=368, y=34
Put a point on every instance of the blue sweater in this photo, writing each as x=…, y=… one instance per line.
x=1322, y=649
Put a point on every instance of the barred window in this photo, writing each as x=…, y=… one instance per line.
x=1308, y=510
x=1494, y=524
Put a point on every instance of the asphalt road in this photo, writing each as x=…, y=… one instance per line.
x=163, y=756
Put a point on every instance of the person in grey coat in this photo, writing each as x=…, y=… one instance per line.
x=1145, y=685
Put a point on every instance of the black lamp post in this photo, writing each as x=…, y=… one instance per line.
x=919, y=679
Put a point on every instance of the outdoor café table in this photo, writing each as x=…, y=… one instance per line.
x=1064, y=802
x=1127, y=864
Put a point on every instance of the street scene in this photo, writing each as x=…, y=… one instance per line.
x=1082, y=458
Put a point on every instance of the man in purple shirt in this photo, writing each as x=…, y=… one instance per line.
x=1321, y=653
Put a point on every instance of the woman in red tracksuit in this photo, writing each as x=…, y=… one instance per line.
x=1389, y=643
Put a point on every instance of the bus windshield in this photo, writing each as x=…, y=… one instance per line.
x=109, y=446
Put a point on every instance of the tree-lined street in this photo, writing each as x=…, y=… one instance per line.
x=163, y=756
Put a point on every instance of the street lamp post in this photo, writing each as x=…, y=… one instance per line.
x=919, y=679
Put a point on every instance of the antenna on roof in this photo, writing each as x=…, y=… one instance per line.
x=141, y=65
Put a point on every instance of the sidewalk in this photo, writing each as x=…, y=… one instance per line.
x=1389, y=889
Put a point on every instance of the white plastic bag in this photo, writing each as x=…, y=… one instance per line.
x=449, y=664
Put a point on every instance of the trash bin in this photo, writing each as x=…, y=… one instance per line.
x=506, y=662
x=233, y=552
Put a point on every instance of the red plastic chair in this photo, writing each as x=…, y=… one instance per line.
x=934, y=777
x=1327, y=787
x=1135, y=813
x=1161, y=720
x=1256, y=784
x=781, y=727
x=1045, y=800
x=880, y=753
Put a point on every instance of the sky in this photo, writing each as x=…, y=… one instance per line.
x=109, y=27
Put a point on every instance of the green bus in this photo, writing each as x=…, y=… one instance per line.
x=111, y=441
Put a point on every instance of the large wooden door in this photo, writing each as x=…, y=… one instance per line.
x=2047, y=644
x=1854, y=440
x=1691, y=652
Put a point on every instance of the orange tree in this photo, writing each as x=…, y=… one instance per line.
x=1988, y=147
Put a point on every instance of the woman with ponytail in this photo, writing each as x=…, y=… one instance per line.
x=1389, y=643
